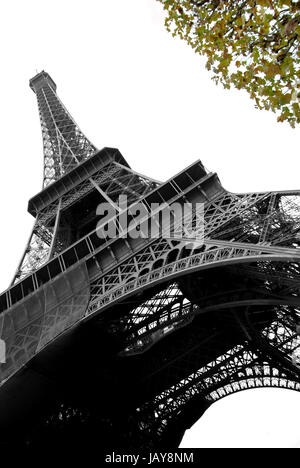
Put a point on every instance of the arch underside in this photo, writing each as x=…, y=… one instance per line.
x=264, y=351
x=180, y=350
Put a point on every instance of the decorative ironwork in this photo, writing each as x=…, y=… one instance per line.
x=161, y=326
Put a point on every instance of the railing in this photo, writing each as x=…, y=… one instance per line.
x=173, y=269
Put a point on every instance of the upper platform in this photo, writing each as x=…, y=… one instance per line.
x=38, y=80
x=80, y=173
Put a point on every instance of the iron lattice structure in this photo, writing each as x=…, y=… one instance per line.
x=130, y=340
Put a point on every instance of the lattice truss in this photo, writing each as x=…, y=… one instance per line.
x=152, y=320
x=239, y=369
x=243, y=366
x=65, y=146
x=269, y=296
x=45, y=241
x=231, y=223
x=270, y=358
x=275, y=219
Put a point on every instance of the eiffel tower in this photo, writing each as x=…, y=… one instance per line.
x=126, y=342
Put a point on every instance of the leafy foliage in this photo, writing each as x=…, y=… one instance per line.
x=253, y=45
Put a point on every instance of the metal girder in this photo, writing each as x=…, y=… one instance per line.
x=65, y=146
x=186, y=322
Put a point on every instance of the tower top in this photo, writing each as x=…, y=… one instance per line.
x=41, y=79
x=65, y=146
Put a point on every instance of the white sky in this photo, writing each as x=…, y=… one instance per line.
x=130, y=85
